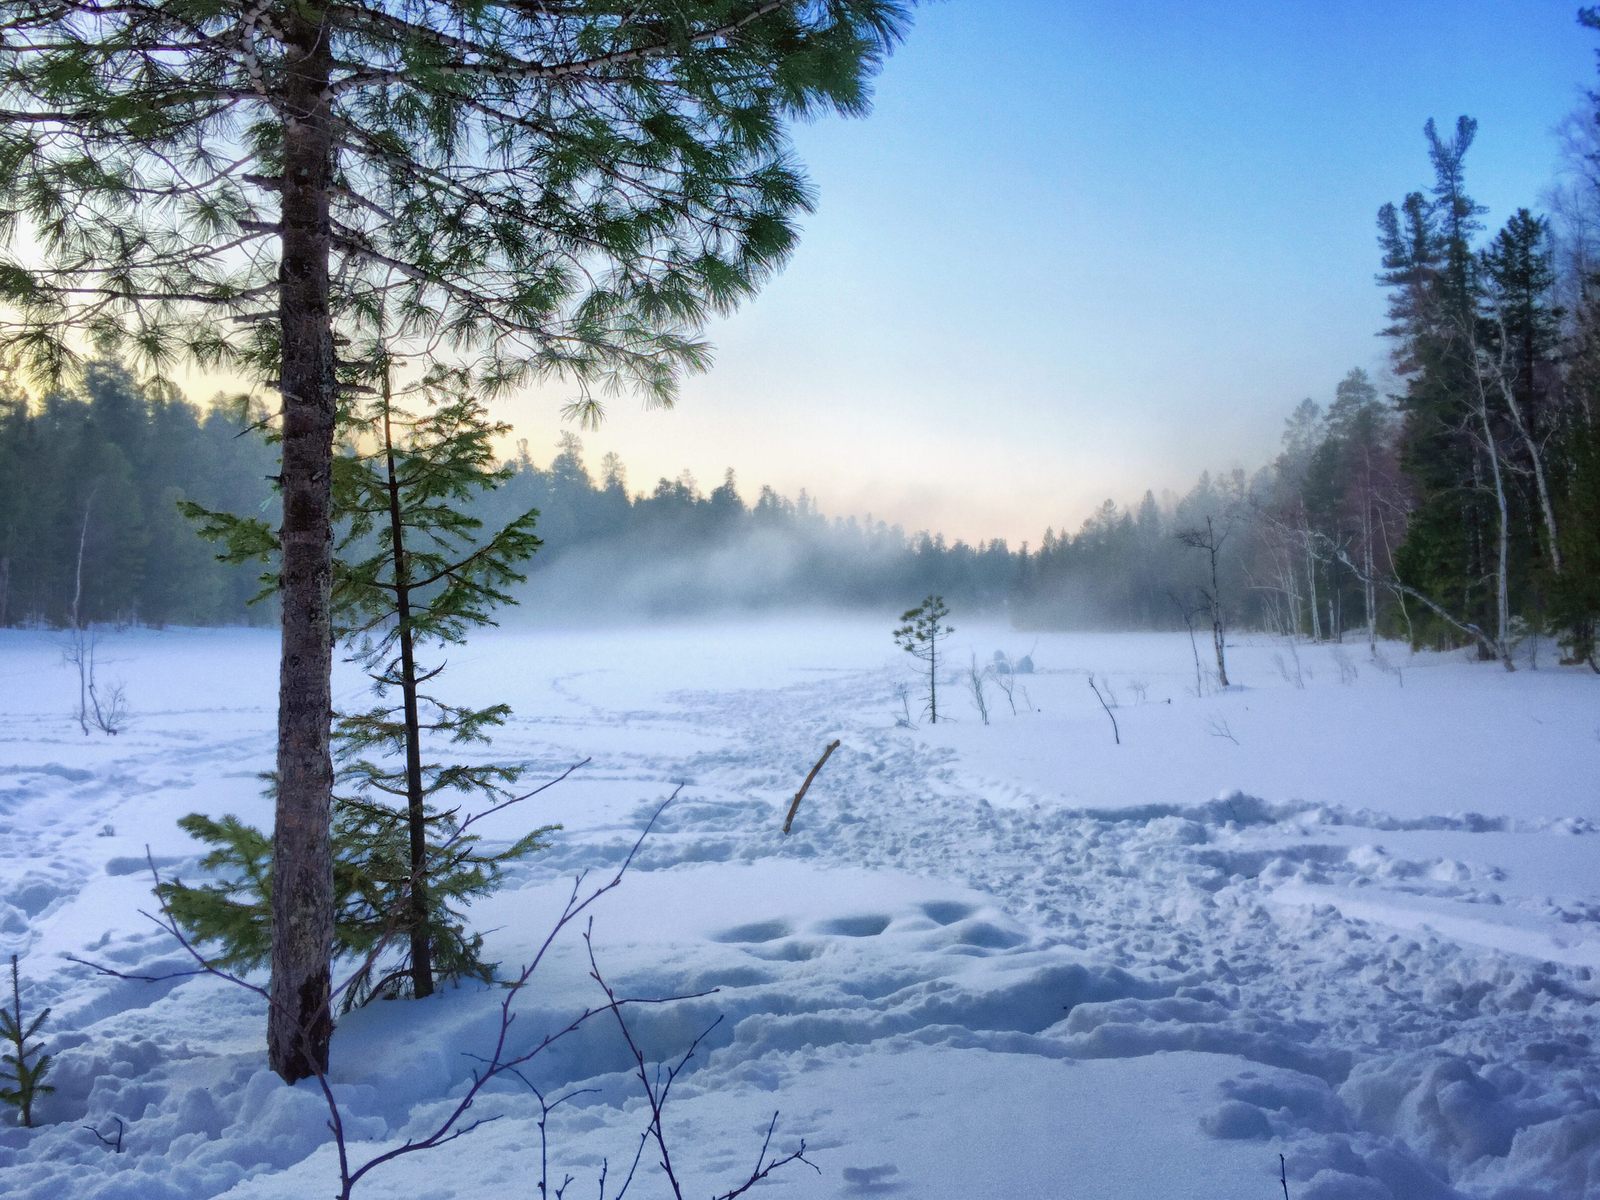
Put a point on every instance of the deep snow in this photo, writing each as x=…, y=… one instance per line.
x=1339, y=913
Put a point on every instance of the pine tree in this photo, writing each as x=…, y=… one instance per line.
x=1575, y=603
x=919, y=633
x=1298, y=508
x=564, y=190
x=1366, y=492
x=1575, y=439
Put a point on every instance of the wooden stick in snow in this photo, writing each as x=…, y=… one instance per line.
x=800, y=795
x=1115, y=732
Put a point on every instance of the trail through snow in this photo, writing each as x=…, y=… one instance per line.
x=1349, y=918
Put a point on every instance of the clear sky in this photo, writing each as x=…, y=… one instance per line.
x=1082, y=248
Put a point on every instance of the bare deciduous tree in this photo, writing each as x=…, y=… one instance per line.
x=976, y=678
x=1116, y=734
x=1211, y=542
x=105, y=710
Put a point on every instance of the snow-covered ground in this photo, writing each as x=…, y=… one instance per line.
x=1344, y=914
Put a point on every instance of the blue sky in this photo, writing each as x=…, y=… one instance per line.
x=1082, y=248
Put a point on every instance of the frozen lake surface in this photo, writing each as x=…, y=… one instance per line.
x=1344, y=911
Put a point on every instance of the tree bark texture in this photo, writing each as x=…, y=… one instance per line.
x=300, y=1023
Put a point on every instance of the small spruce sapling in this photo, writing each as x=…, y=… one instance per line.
x=427, y=578
x=919, y=634
x=22, y=1080
x=412, y=569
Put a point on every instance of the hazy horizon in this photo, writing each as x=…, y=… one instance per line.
x=1078, y=251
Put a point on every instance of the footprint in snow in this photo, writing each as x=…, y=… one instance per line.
x=865, y=925
x=872, y=1181
x=759, y=931
x=948, y=912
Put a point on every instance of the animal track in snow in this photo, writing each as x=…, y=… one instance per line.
x=867, y=925
x=760, y=931
x=948, y=912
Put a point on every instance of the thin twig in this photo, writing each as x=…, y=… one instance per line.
x=1114, y=731
x=116, y=1142
x=801, y=794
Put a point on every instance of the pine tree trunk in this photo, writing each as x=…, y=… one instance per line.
x=416, y=814
x=299, y=1022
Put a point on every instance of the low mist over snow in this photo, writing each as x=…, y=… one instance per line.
x=1344, y=911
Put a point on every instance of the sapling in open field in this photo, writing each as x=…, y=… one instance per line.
x=919, y=634
x=24, y=1065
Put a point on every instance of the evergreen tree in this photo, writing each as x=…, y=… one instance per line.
x=123, y=455
x=414, y=570
x=919, y=633
x=1576, y=599
x=1366, y=498
x=25, y=1062
x=1431, y=272
x=725, y=506
x=1521, y=335
x=1575, y=602
x=429, y=579
x=1300, y=509
x=566, y=190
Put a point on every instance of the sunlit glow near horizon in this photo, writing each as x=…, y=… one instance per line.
x=1084, y=249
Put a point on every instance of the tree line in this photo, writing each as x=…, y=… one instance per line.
x=1320, y=543
x=90, y=481
x=91, y=478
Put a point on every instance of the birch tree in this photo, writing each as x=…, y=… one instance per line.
x=1521, y=330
